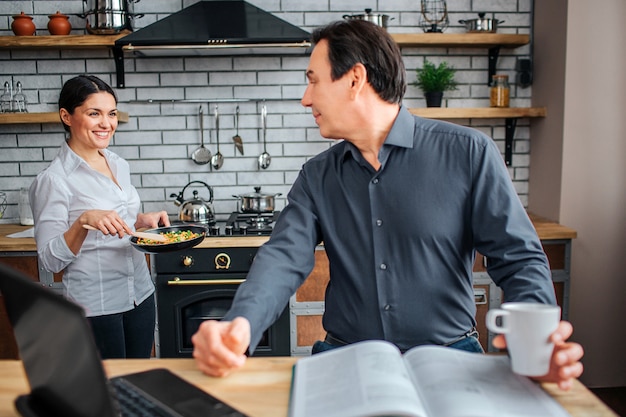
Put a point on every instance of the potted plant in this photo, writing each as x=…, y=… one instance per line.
x=433, y=80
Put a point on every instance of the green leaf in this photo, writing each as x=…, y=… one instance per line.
x=431, y=78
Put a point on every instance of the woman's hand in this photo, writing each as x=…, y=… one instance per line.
x=108, y=222
x=152, y=220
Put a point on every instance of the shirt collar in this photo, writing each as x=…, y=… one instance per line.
x=401, y=135
x=71, y=161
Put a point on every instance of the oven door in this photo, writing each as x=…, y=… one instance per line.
x=184, y=303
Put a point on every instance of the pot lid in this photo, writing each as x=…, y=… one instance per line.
x=257, y=194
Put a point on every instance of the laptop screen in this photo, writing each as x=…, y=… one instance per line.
x=57, y=349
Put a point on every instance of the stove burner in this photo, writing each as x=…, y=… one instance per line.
x=250, y=223
x=238, y=224
x=259, y=222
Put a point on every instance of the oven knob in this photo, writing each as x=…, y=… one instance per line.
x=222, y=261
x=187, y=261
x=214, y=230
x=228, y=230
x=243, y=229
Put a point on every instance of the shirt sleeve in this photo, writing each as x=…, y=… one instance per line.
x=504, y=233
x=280, y=266
x=49, y=203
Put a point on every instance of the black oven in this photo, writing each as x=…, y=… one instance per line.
x=199, y=284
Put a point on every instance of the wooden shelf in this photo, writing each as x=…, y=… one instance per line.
x=510, y=114
x=60, y=41
x=50, y=117
x=469, y=40
x=479, y=112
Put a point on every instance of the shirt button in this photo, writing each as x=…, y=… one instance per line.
x=387, y=307
x=383, y=266
x=379, y=222
x=375, y=180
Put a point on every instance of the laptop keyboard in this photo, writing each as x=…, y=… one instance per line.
x=132, y=403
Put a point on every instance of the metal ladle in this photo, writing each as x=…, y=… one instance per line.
x=264, y=159
x=202, y=155
x=218, y=159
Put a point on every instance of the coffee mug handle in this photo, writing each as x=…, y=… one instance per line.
x=491, y=318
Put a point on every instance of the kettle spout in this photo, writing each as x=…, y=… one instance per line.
x=178, y=198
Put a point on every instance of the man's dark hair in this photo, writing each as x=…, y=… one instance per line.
x=76, y=90
x=358, y=41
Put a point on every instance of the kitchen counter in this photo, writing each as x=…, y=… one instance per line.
x=260, y=388
x=546, y=229
x=8, y=244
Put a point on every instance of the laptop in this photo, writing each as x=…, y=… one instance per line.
x=65, y=372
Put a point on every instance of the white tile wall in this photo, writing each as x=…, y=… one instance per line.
x=159, y=138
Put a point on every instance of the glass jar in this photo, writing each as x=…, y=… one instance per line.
x=500, y=91
x=26, y=214
x=6, y=100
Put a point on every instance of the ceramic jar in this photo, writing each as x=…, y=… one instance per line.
x=23, y=25
x=59, y=24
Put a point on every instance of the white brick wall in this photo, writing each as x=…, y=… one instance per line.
x=160, y=137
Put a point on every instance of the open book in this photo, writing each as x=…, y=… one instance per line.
x=374, y=379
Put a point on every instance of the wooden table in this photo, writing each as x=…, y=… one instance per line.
x=260, y=389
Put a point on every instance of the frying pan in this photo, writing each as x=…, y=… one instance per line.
x=171, y=247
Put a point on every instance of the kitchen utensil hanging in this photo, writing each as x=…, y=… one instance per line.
x=264, y=159
x=237, y=139
x=218, y=159
x=202, y=155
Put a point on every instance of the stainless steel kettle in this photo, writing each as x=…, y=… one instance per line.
x=196, y=210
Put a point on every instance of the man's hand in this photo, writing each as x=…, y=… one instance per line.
x=220, y=346
x=565, y=362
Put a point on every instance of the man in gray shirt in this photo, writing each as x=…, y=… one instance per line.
x=401, y=205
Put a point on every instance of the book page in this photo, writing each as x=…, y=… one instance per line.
x=362, y=379
x=456, y=383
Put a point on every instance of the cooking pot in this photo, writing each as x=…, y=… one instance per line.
x=257, y=202
x=109, y=17
x=196, y=210
x=481, y=24
x=379, y=19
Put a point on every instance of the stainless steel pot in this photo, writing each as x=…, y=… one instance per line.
x=197, y=209
x=257, y=202
x=481, y=24
x=377, y=18
x=109, y=17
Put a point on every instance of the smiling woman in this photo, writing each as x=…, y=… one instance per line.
x=87, y=186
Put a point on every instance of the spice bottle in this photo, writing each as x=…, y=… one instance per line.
x=500, y=91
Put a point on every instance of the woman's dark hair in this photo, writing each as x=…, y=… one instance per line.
x=76, y=90
x=358, y=41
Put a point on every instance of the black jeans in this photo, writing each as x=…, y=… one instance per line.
x=126, y=335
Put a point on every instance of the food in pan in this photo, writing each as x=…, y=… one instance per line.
x=172, y=237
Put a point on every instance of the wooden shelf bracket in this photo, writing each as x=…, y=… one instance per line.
x=509, y=136
x=494, y=52
x=118, y=55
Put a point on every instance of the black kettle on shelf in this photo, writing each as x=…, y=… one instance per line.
x=196, y=209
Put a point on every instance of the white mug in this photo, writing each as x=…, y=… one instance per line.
x=527, y=328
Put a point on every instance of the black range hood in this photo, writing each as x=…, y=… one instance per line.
x=213, y=27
